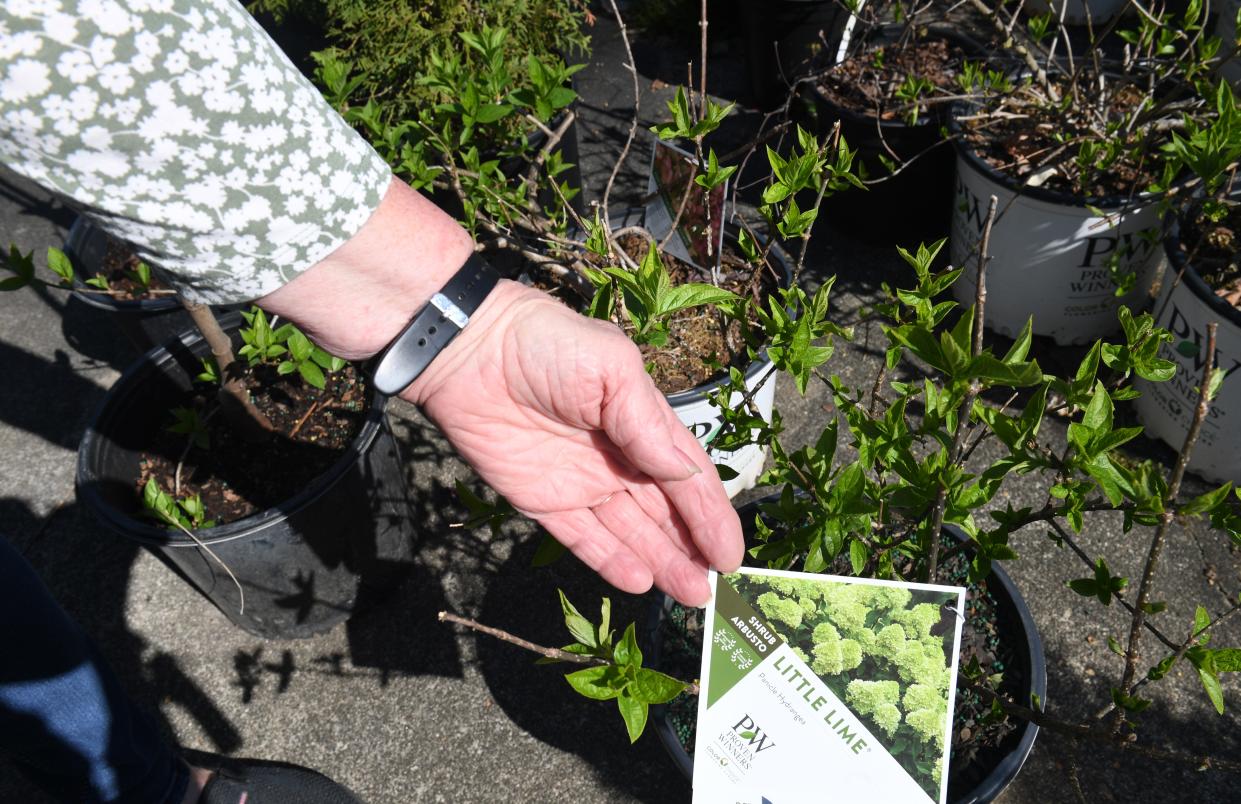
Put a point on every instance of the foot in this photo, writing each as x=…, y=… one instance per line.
x=256, y=781
x=198, y=782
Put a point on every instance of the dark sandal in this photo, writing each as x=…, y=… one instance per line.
x=256, y=781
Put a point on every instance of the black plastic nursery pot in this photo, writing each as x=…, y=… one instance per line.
x=983, y=782
x=781, y=37
x=914, y=204
x=305, y=565
x=145, y=322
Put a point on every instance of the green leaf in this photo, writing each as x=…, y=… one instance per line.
x=1130, y=703
x=548, y=551
x=693, y=294
x=60, y=265
x=1021, y=347
x=1210, y=683
x=1015, y=375
x=1201, y=620
x=653, y=687
x=605, y=621
x=581, y=628
x=1227, y=660
x=312, y=374
x=1217, y=379
x=1114, y=484
x=634, y=713
x=597, y=683
x=857, y=556
x=1083, y=586
x=726, y=472
x=1160, y=670
x=1114, y=646
x=627, y=651
x=1098, y=415
x=491, y=112
x=1208, y=501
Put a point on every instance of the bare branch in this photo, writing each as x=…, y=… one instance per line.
x=1165, y=520
x=633, y=124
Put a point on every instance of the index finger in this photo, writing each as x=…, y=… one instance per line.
x=703, y=505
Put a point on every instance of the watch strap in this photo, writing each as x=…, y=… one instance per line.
x=434, y=326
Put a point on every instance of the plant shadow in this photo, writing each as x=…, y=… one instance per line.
x=522, y=601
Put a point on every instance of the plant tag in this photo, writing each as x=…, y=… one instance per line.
x=823, y=688
x=700, y=229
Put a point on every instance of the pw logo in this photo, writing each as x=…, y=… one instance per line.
x=747, y=729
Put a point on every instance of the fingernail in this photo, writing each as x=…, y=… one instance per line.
x=687, y=461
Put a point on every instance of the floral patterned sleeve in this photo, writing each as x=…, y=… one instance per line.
x=181, y=128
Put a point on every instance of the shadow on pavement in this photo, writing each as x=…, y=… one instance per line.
x=523, y=601
x=89, y=577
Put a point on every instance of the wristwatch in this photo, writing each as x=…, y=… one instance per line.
x=434, y=326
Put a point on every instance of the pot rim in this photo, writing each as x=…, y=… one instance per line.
x=1179, y=259
x=80, y=233
x=114, y=406
x=935, y=30
x=699, y=391
x=972, y=158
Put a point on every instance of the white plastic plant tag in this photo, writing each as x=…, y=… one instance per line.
x=700, y=228
x=823, y=688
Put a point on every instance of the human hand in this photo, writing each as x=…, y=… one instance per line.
x=556, y=412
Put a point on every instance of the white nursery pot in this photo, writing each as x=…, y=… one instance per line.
x=1076, y=12
x=704, y=420
x=1049, y=254
x=1166, y=409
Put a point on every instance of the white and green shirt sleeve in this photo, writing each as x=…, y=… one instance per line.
x=180, y=127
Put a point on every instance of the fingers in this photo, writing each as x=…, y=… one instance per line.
x=703, y=506
x=581, y=532
x=674, y=572
x=637, y=418
x=630, y=550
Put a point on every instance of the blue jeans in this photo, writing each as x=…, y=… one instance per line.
x=63, y=715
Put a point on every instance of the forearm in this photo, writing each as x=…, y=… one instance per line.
x=358, y=298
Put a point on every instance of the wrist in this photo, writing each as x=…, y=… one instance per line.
x=433, y=327
x=356, y=300
x=484, y=336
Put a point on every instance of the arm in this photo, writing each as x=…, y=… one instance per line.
x=200, y=144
